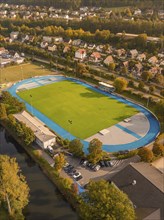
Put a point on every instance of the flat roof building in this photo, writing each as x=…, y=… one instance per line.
x=43, y=136
x=144, y=185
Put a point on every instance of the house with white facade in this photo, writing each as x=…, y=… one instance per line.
x=80, y=54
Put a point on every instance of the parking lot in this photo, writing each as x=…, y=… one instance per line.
x=103, y=173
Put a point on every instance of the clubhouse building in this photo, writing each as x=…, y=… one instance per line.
x=43, y=136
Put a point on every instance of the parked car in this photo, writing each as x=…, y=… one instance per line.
x=85, y=163
x=82, y=161
x=78, y=178
x=50, y=149
x=97, y=167
x=76, y=175
x=102, y=164
x=111, y=163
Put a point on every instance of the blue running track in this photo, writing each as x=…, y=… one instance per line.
x=142, y=141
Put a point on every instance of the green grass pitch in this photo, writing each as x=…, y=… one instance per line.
x=89, y=111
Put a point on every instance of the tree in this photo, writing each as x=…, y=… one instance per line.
x=162, y=92
x=112, y=66
x=141, y=85
x=152, y=89
x=159, y=109
x=146, y=75
x=102, y=200
x=158, y=149
x=120, y=84
x=124, y=70
x=141, y=40
x=145, y=154
x=14, y=191
x=81, y=69
x=76, y=147
x=3, y=114
x=59, y=161
x=95, y=151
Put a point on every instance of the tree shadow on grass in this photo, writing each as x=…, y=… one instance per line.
x=91, y=94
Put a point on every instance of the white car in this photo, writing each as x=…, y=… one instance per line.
x=76, y=175
x=97, y=167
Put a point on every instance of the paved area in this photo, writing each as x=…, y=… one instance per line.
x=159, y=164
x=103, y=173
x=123, y=132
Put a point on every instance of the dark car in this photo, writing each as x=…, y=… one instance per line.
x=102, y=164
x=69, y=168
x=78, y=178
x=82, y=161
x=106, y=163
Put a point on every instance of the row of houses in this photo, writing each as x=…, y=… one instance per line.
x=8, y=57
x=97, y=54
x=40, y=12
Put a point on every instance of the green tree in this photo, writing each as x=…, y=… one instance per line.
x=14, y=191
x=152, y=89
x=141, y=40
x=146, y=75
x=141, y=85
x=3, y=114
x=95, y=151
x=59, y=161
x=145, y=154
x=76, y=147
x=112, y=66
x=102, y=200
x=159, y=109
x=120, y=84
x=162, y=92
x=158, y=149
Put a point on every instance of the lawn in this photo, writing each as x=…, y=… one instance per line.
x=23, y=71
x=89, y=111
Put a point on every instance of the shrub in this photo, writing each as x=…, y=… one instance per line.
x=145, y=154
x=158, y=149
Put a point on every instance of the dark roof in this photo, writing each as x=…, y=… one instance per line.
x=147, y=194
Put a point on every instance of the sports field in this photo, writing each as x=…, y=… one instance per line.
x=88, y=110
x=23, y=71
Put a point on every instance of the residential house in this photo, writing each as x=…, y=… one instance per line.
x=47, y=39
x=19, y=60
x=44, y=45
x=58, y=39
x=149, y=12
x=137, y=12
x=155, y=70
x=80, y=54
x=67, y=40
x=91, y=46
x=153, y=60
x=14, y=35
x=133, y=53
x=126, y=64
x=66, y=49
x=120, y=52
x=83, y=44
x=52, y=47
x=2, y=50
x=108, y=60
x=76, y=42
x=99, y=48
x=138, y=68
x=141, y=57
x=95, y=57
x=161, y=14
x=14, y=54
x=143, y=183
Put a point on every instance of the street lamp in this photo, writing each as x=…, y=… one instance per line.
x=31, y=104
x=70, y=123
